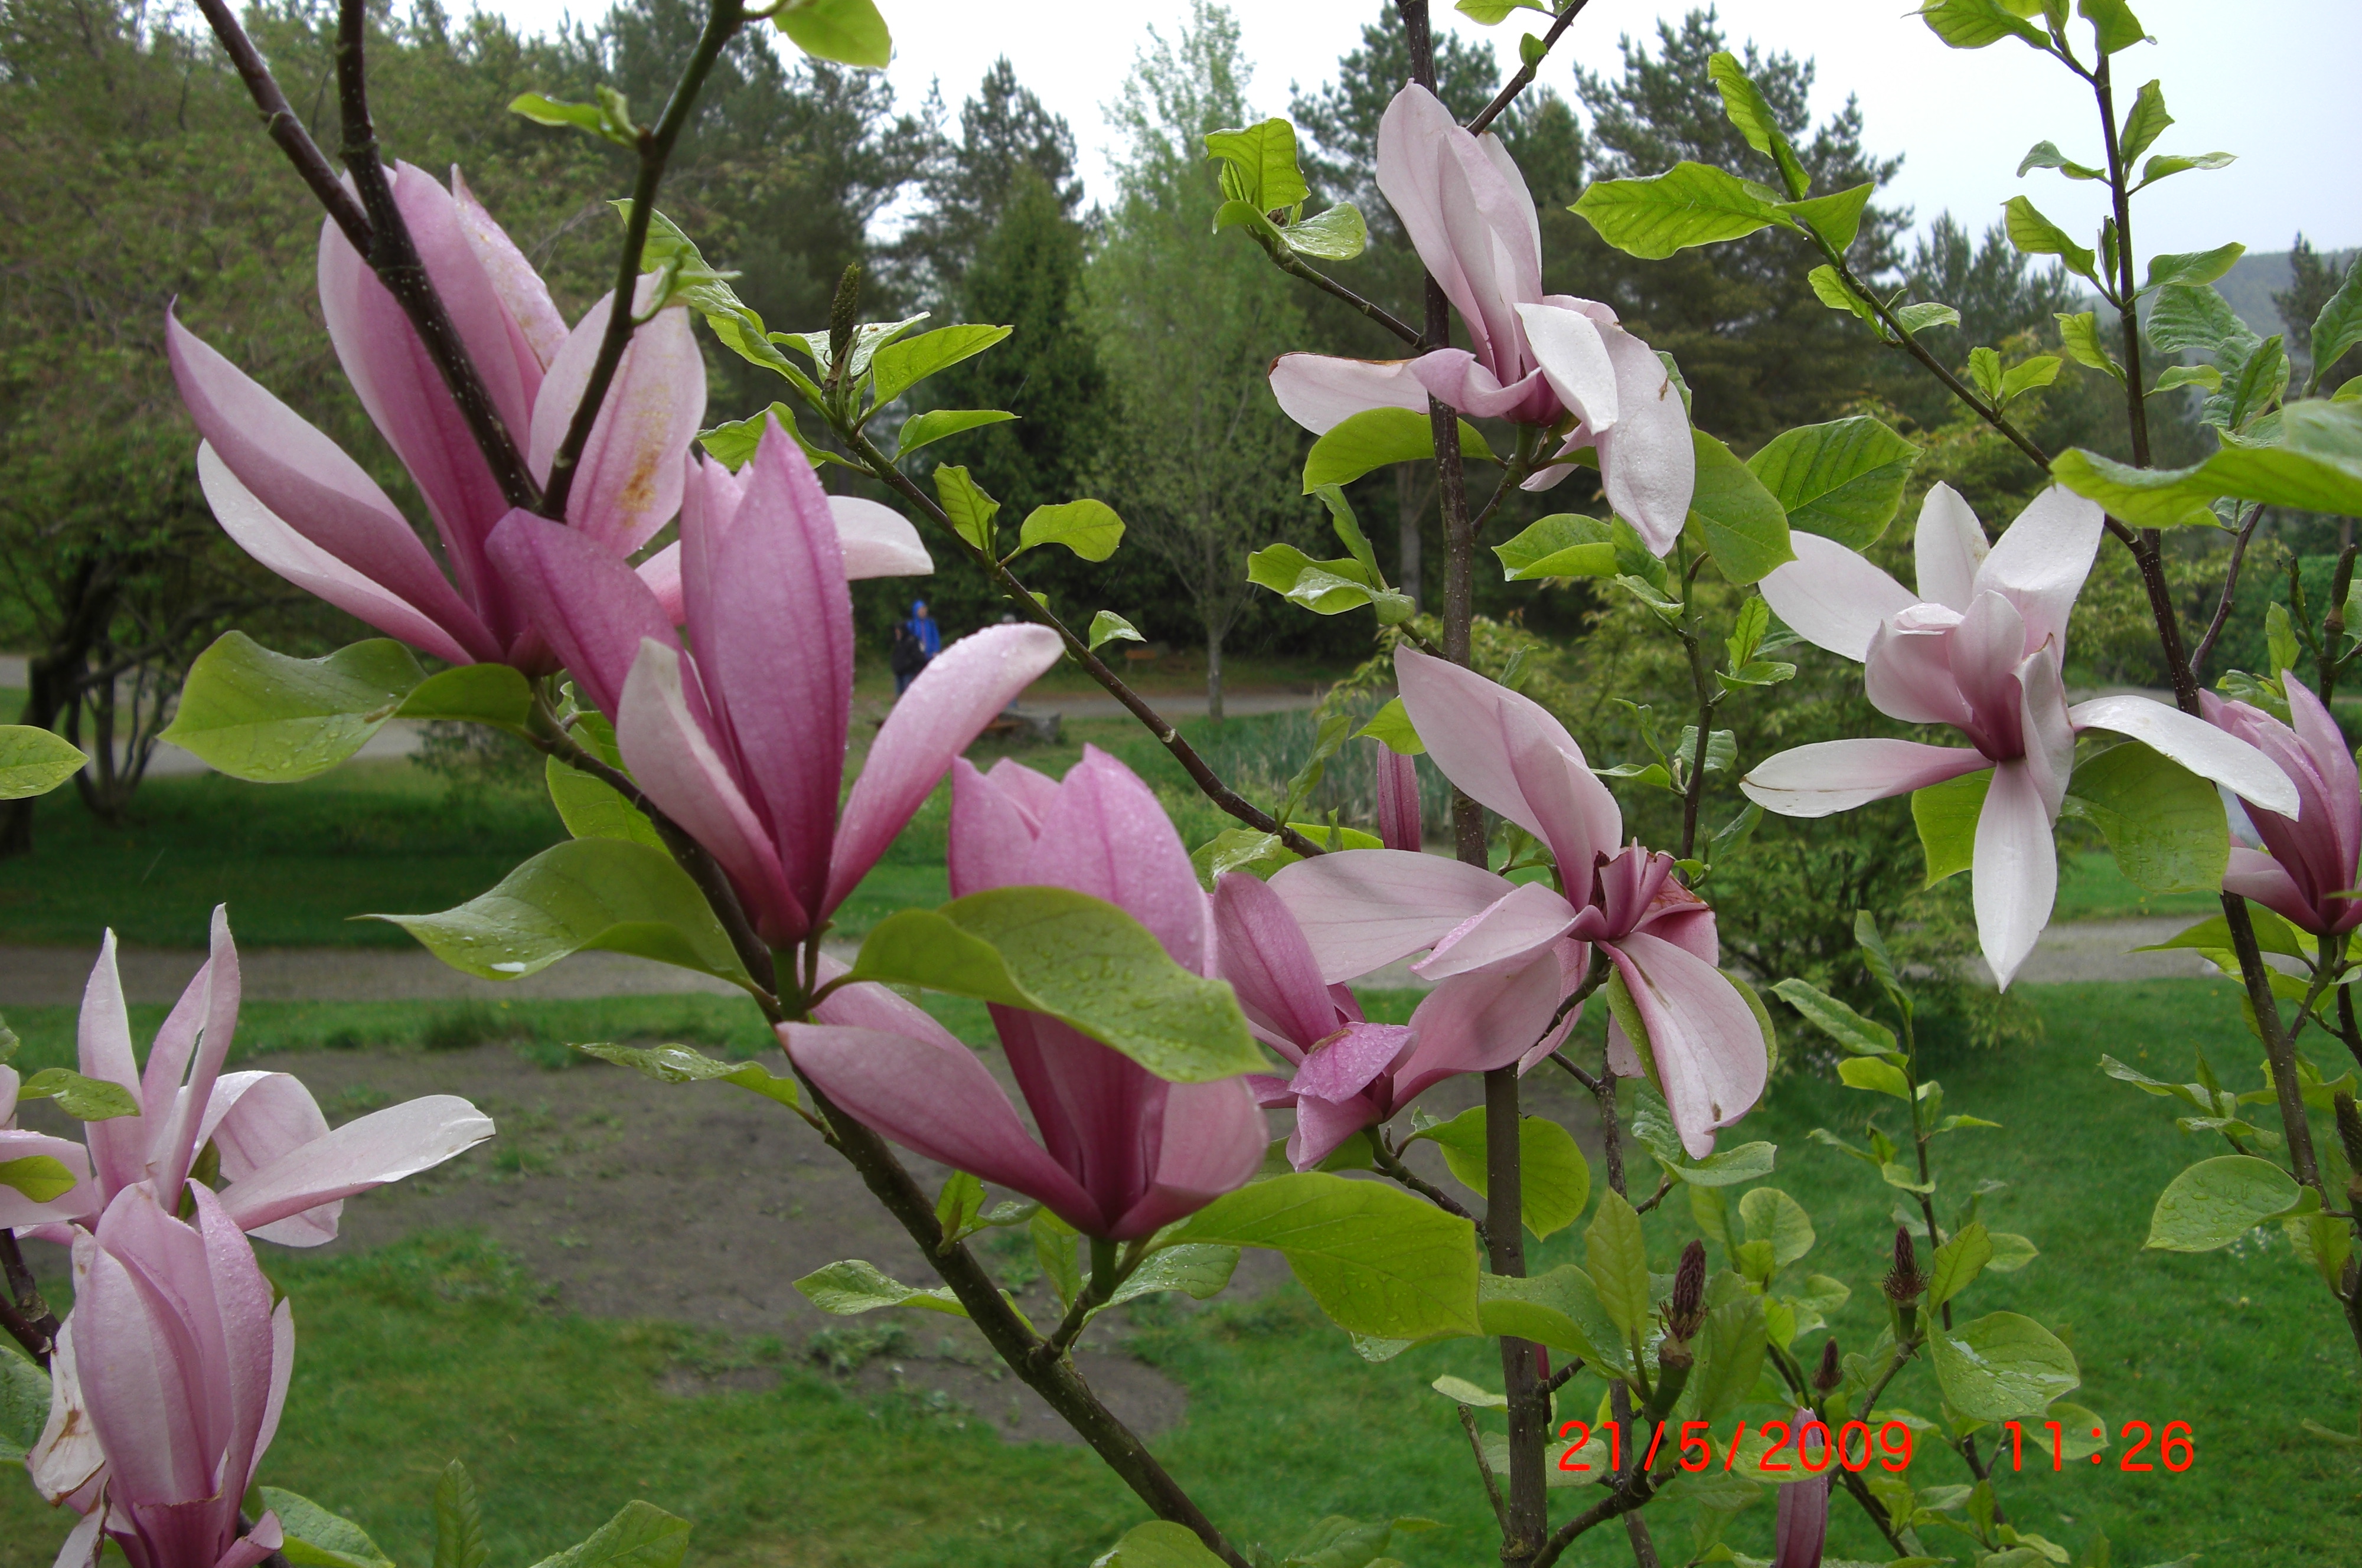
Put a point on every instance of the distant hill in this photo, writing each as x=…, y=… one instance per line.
x=2250, y=284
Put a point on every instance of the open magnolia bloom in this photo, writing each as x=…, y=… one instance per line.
x=1537, y=358
x=282, y=1173
x=1121, y=1151
x=1522, y=947
x=1978, y=647
x=743, y=742
x=170, y=1376
x=296, y=502
x=2304, y=865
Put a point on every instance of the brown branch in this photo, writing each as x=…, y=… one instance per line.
x=1525, y=76
x=280, y=123
x=1483, y=1467
x=28, y=1319
x=2230, y=587
x=1295, y=265
x=1390, y=1161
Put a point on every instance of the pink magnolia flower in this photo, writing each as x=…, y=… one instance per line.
x=294, y=500
x=1527, y=944
x=1978, y=647
x=1537, y=358
x=167, y=1386
x=2306, y=863
x=284, y=1174
x=19, y=1208
x=743, y=742
x=1121, y=1151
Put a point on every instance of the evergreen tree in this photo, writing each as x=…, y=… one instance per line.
x=1997, y=290
x=2313, y=278
x=1007, y=140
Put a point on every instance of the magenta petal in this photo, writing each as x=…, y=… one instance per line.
x=2255, y=876
x=1322, y=1124
x=661, y=572
x=629, y=482
x=1320, y=392
x=1399, y=823
x=383, y=1146
x=1832, y=597
x=1343, y=1066
x=1507, y=752
x=149, y=1359
x=1528, y=916
x=1836, y=776
x=959, y=692
x=1212, y=1143
x=1363, y=908
x=1267, y=961
x=522, y=293
x=591, y=608
x=940, y=1103
x=1458, y=380
x=991, y=834
x=1473, y=1023
x=1708, y=1048
x=1107, y=836
x=255, y=1545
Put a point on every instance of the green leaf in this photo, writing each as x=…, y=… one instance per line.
x=925, y=429
x=2112, y=23
x=458, y=1521
x=24, y=1405
x=899, y=366
x=2002, y=1366
x=2046, y=155
x=1391, y=727
x=1089, y=528
x=2080, y=335
x=1836, y=218
x=1958, y=1263
x=1561, y=1309
x=684, y=1064
x=2317, y=468
x=1917, y=318
x=2192, y=270
x=642, y=1536
x=1730, y=1349
x=39, y=1177
x=849, y=32
x=2196, y=315
x=34, y=761
x=1259, y=165
x=1745, y=103
x=1325, y=588
x=1338, y=234
x=1945, y=815
x=1733, y=1166
x=1843, y=480
x=1106, y=627
x=2144, y=123
x=963, y=501
x=1831, y=290
x=1158, y=1544
x=1078, y=958
x=2011, y=1252
x=605, y=894
x=610, y=118
x=2164, y=824
x=2205, y=376
x=2021, y=379
x=1734, y=518
x=1460, y=1391
x=1565, y=543
x=1862, y=1036
x=2163, y=164
x=2339, y=326
x=1875, y=1074
x=2143, y=498
x=319, y=1539
x=471, y=693
x=1771, y=1217
x=85, y=1100
x=849, y=1288
x=2034, y=234
x=2216, y=1201
x=733, y=444
x=1984, y=372
x=591, y=810
x=269, y=719
x=1195, y=1269
x=1690, y=203
x=1376, y=437
x=1618, y=1255
x=1973, y=24
x=1554, y=1180
x=1379, y=1262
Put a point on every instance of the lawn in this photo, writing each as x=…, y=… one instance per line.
x=440, y=1346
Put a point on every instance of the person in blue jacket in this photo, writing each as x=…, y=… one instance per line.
x=915, y=641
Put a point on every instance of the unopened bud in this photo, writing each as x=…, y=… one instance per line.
x=1687, y=1308
x=842, y=316
x=1828, y=1374
x=1904, y=1284
x=2349, y=1131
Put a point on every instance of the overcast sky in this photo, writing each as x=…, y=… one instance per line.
x=2267, y=80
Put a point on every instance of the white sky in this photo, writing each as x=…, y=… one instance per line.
x=2264, y=79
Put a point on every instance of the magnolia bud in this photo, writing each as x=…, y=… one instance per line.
x=1903, y=1283
x=1828, y=1374
x=1686, y=1310
x=842, y=316
x=2349, y=1133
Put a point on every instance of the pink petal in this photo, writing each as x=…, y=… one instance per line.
x=2050, y=738
x=1322, y=1124
x=1459, y=380
x=256, y=1118
x=1507, y=752
x=1908, y=676
x=150, y=1356
x=1267, y=961
x=523, y=293
x=383, y=1146
x=1399, y=823
x=1363, y=908
x=1949, y=547
x=1032, y=789
x=1528, y=916
x=67, y=1457
x=1987, y=646
x=2040, y=561
x=1320, y=392
x=959, y=692
x=1107, y=836
x=661, y=572
x=175, y=1146
x=991, y=834
x=118, y=1145
x=2227, y=760
x=242, y=1299
x=1648, y=464
x=1836, y=776
x=937, y=1103
x=871, y=1006
x=276, y=545
x=2016, y=870
x=1212, y=1143
x=629, y=482
x=255, y=1545
x=1474, y=229
x=878, y=541
x=1574, y=355
x=2254, y=875
x=1831, y=597
x=1344, y=1065
x=1708, y=1048
x=1473, y=1023
x=591, y=608
x=676, y=765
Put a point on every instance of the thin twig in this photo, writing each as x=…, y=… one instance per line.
x=27, y=1318
x=1664, y=1185
x=1525, y=76
x=2230, y=587
x=1390, y=1161
x=279, y=122
x=1295, y=265
x=1483, y=1467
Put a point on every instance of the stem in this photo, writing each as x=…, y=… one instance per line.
x=1485, y=1469
x=1505, y=1246
x=27, y=1318
x=2346, y=1028
x=1709, y=696
x=282, y=125
x=1295, y=265
x=392, y=256
x=2120, y=195
x=655, y=151
x=1622, y=1501
x=1390, y=1161
x=1525, y=76
x=1209, y=782
x=2333, y=626
x=2230, y=587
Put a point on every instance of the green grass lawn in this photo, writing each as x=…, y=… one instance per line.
x=438, y=1347
x=2090, y=887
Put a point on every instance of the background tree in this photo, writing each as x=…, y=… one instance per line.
x=2314, y=277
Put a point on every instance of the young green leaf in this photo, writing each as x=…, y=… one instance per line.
x=2163, y=164
x=2046, y=155
x=1565, y=543
x=272, y=718
x=2080, y=335
x=2339, y=326
x=1745, y=105
x=1391, y=727
x=685, y=1064
x=85, y=1100
x=1774, y=1218
x=458, y=1521
x=1106, y=627
x=2113, y=24
x=34, y=761
x=610, y=118
x=2164, y=824
x=1555, y=1179
x=925, y=429
x=1690, y=203
x=2216, y=1201
x=2002, y=1366
x=1945, y=815
x=2194, y=269
x=1376, y=437
x=1863, y=1036
x=1843, y=480
x=1259, y=165
x=1617, y=1256
x=849, y=32
x=2034, y=234
x=2023, y=378
x=967, y=504
x=319, y=1539
x=1089, y=528
x=1733, y=517
x=41, y=1177
x=1958, y=1263
x=1973, y=24
x=1984, y=372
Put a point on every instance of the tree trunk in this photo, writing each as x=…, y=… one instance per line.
x=1410, y=504
x=1214, y=674
x=51, y=679
x=44, y=700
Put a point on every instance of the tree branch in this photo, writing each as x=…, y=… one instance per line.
x=28, y=1319
x=1525, y=76
x=1295, y=265
x=280, y=123
x=2230, y=587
